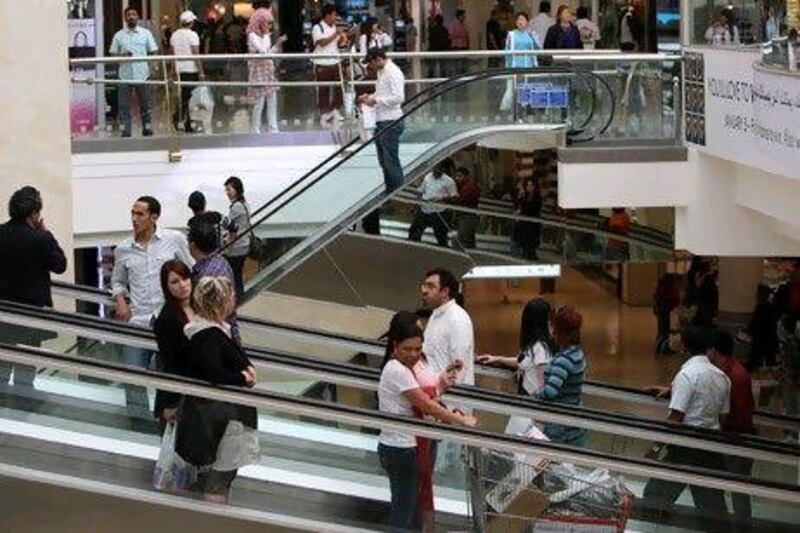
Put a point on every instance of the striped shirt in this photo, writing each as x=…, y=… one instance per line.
x=563, y=381
x=563, y=377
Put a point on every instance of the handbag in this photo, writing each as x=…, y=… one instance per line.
x=255, y=250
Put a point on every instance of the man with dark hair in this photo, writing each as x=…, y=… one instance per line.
x=136, y=276
x=436, y=187
x=327, y=37
x=197, y=203
x=203, y=242
x=468, y=196
x=740, y=419
x=699, y=397
x=28, y=254
x=449, y=335
x=133, y=40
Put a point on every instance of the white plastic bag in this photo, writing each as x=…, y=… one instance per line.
x=202, y=98
x=239, y=447
x=172, y=473
x=507, y=104
x=369, y=117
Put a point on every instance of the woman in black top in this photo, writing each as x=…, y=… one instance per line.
x=215, y=357
x=563, y=34
x=176, y=283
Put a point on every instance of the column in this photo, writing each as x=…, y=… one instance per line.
x=738, y=279
x=34, y=111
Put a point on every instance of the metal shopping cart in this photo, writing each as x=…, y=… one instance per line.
x=514, y=493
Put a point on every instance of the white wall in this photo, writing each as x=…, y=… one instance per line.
x=34, y=110
x=722, y=208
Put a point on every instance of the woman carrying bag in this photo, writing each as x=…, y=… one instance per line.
x=217, y=437
x=520, y=39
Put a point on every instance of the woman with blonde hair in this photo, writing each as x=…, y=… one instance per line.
x=216, y=436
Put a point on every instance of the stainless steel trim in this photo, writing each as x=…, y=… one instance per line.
x=466, y=437
x=169, y=500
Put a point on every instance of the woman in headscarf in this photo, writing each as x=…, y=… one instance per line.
x=259, y=41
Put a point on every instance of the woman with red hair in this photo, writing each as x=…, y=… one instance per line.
x=563, y=377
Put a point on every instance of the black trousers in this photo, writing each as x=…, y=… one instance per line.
x=182, y=114
x=424, y=220
x=660, y=494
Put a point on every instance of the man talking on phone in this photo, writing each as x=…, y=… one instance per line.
x=28, y=254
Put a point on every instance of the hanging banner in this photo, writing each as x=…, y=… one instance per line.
x=83, y=97
x=749, y=114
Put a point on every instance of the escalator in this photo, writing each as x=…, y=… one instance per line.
x=302, y=375
x=343, y=189
x=318, y=468
x=361, y=356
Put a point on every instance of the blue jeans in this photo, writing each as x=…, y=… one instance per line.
x=403, y=469
x=387, y=144
x=136, y=399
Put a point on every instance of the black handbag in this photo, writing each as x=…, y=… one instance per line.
x=202, y=424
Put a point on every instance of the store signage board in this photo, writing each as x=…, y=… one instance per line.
x=749, y=114
x=513, y=271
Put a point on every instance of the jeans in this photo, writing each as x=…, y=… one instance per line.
x=186, y=96
x=136, y=399
x=237, y=265
x=422, y=221
x=741, y=502
x=403, y=469
x=124, y=101
x=270, y=101
x=466, y=227
x=23, y=375
x=387, y=144
x=660, y=494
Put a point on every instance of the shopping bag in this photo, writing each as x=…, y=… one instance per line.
x=202, y=98
x=507, y=104
x=171, y=473
x=369, y=117
x=239, y=447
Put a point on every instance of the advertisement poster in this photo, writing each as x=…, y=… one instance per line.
x=83, y=97
x=749, y=114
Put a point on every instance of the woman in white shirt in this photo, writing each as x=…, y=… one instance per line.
x=535, y=345
x=372, y=36
x=400, y=393
x=259, y=41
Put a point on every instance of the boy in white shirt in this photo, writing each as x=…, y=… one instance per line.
x=185, y=42
x=327, y=38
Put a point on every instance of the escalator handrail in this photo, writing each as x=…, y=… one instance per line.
x=445, y=87
x=631, y=425
x=368, y=418
x=72, y=288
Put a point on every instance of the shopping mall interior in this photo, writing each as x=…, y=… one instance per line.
x=400, y=265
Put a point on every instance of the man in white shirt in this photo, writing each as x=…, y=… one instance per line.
x=436, y=187
x=327, y=38
x=133, y=40
x=449, y=335
x=541, y=22
x=387, y=100
x=590, y=32
x=186, y=42
x=137, y=276
x=700, y=398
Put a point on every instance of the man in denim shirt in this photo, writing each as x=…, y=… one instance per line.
x=137, y=277
x=132, y=41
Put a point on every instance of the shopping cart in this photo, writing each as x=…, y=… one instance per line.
x=514, y=493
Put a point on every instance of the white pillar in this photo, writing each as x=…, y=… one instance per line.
x=34, y=111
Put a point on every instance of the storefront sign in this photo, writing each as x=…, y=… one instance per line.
x=749, y=115
x=83, y=97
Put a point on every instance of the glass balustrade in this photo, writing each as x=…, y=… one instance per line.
x=320, y=462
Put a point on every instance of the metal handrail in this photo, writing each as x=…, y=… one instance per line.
x=376, y=349
x=364, y=378
x=316, y=409
x=585, y=55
